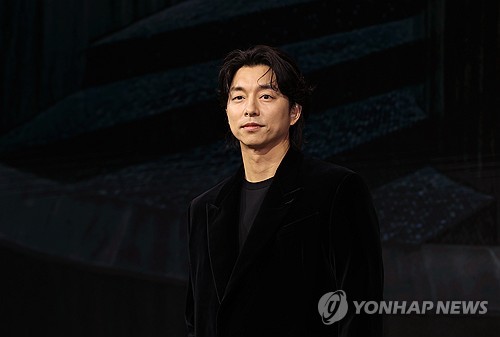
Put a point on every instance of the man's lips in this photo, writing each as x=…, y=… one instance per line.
x=251, y=126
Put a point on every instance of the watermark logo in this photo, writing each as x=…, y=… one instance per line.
x=420, y=308
x=332, y=306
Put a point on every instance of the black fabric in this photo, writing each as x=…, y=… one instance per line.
x=316, y=232
x=252, y=195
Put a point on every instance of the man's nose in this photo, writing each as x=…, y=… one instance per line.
x=251, y=108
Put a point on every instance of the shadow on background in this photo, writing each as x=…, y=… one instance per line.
x=109, y=126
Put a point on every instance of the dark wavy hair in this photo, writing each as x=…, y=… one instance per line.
x=285, y=72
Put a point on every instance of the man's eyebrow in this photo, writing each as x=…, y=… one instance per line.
x=261, y=87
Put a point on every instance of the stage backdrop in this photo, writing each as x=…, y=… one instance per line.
x=110, y=125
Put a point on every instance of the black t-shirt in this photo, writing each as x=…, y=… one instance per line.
x=252, y=195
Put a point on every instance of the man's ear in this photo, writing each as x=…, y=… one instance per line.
x=295, y=112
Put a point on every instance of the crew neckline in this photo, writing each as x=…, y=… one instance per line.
x=257, y=185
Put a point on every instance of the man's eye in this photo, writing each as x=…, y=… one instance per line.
x=266, y=96
x=237, y=98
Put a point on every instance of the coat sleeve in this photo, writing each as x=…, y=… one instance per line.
x=189, y=305
x=356, y=255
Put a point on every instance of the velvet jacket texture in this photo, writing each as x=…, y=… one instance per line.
x=316, y=232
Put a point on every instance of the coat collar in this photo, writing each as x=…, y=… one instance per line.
x=228, y=264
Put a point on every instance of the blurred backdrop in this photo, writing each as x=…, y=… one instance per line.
x=109, y=126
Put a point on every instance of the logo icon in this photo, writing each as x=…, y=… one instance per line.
x=332, y=306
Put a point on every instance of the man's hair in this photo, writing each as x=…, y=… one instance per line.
x=284, y=71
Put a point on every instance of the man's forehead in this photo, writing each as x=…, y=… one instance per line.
x=250, y=76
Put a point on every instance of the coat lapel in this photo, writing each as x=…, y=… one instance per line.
x=223, y=217
x=280, y=197
x=222, y=230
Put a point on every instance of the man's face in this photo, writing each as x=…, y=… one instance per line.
x=259, y=116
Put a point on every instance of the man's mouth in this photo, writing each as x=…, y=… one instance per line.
x=251, y=126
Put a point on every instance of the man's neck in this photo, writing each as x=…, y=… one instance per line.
x=261, y=164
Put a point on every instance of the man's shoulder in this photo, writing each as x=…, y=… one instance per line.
x=321, y=175
x=316, y=168
x=210, y=195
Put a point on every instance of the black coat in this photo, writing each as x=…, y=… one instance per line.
x=316, y=232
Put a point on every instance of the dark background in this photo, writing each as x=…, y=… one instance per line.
x=109, y=125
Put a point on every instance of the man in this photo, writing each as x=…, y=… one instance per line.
x=266, y=244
